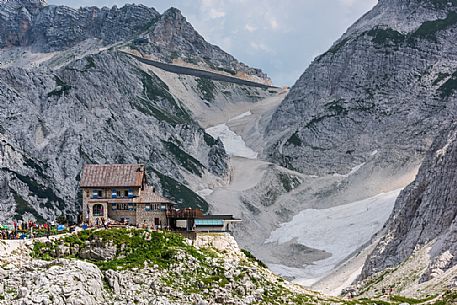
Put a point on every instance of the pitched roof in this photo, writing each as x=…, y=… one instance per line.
x=148, y=195
x=112, y=175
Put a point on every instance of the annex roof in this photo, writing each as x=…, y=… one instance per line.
x=112, y=175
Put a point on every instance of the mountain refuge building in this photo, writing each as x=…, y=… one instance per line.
x=120, y=193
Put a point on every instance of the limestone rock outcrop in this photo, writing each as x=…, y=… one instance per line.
x=386, y=87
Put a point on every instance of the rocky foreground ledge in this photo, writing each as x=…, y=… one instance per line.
x=122, y=266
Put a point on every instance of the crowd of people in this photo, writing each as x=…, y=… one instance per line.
x=27, y=229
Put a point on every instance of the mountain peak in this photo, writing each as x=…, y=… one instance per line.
x=172, y=11
x=173, y=14
x=26, y=3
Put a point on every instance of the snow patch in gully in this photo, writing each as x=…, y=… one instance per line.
x=338, y=230
x=233, y=143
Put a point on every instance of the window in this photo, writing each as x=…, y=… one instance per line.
x=126, y=193
x=96, y=193
x=97, y=210
x=122, y=206
x=209, y=222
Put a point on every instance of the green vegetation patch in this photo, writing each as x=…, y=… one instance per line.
x=333, y=50
x=149, y=108
x=289, y=182
x=230, y=71
x=209, y=140
x=429, y=29
x=90, y=63
x=62, y=88
x=34, y=165
x=174, y=55
x=134, y=247
x=294, y=140
x=450, y=297
x=449, y=87
x=253, y=259
x=402, y=299
x=187, y=161
x=179, y=193
x=337, y=107
x=156, y=90
x=206, y=88
x=386, y=36
x=440, y=4
x=440, y=78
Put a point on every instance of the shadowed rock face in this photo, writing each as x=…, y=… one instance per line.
x=387, y=86
x=426, y=211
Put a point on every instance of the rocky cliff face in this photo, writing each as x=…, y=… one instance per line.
x=102, y=109
x=87, y=103
x=44, y=29
x=425, y=214
x=385, y=88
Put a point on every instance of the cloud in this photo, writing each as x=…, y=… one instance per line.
x=250, y=28
x=214, y=13
x=258, y=46
x=274, y=24
x=348, y=3
x=213, y=8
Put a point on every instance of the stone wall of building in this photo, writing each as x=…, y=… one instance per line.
x=147, y=217
x=89, y=216
x=119, y=215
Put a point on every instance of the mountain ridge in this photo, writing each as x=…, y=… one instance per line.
x=88, y=102
x=166, y=37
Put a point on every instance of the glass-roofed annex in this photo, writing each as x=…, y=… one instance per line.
x=214, y=223
x=209, y=222
x=193, y=220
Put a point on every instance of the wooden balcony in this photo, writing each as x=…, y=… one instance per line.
x=184, y=214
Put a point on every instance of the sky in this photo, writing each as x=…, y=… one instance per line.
x=281, y=37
